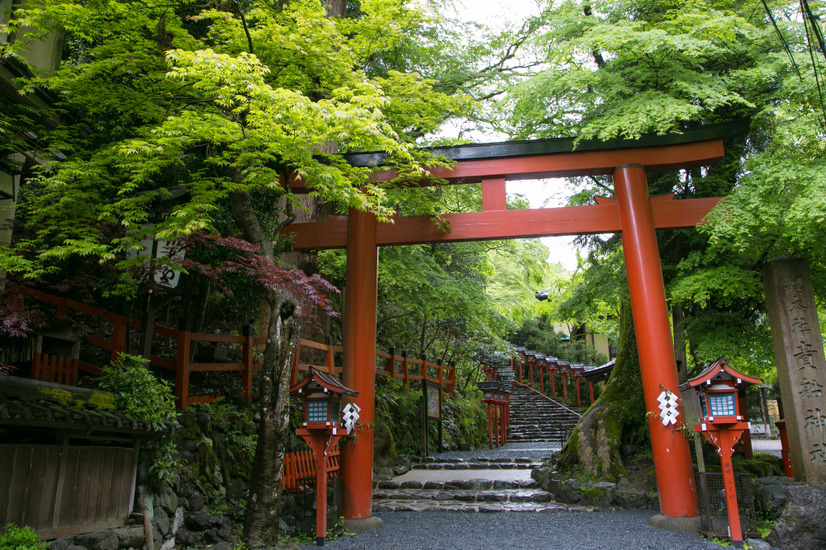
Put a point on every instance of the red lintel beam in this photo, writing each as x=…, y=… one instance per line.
x=504, y=224
x=585, y=163
x=661, y=158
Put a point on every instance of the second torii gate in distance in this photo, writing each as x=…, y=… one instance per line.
x=632, y=212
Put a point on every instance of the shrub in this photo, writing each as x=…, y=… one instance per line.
x=13, y=537
x=140, y=394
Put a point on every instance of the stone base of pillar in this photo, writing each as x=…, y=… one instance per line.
x=684, y=524
x=363, y=525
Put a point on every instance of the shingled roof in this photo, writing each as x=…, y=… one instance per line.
x=36, y=404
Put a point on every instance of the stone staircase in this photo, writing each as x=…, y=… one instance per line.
x=456, y=485
x=498, y=480
x=538, y=418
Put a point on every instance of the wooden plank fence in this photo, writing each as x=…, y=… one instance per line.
x=63, y=490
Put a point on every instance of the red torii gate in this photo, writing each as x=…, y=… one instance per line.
x=632, y=212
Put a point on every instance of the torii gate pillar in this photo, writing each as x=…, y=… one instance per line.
x=672, y=456
x=359, y=369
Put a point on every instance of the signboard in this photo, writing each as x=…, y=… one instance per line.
x=433, y=399
x=431, y=410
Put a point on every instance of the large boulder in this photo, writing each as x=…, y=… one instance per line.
x=100, y=540
x=131, y=537
x=801, y=525
x=770, y=495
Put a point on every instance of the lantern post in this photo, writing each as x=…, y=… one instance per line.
x=554, y=368
x=488, y=398
x=564, y=367
x=541, y=361
x=722, y=423
x=577, y=374
x=530, y=358
x=324, y=425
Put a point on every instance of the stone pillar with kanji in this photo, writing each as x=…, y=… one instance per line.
x=801, y=368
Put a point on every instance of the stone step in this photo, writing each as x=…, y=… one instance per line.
x=464, y=495
x=471, y=507
x=523, y=464
x=543, y=438
x=500, y=460
x=458, y=485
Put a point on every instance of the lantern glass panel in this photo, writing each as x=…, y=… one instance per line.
x=721, y=404
x=317, y=410
x=336, y=410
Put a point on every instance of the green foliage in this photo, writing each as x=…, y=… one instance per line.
x=217, y=102
x=139, y=394
x=237, y=425
x=610, y=75
x=13, y=537
x=400, y=411
x=465, y=420
x=624, y=69
x=338, y=530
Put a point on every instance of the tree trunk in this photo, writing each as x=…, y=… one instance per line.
x=262, y=519
x=678, y=316
x=617, y=417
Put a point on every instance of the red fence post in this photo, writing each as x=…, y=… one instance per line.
x=390, y=363
x=118, y=339
x=329, y=359
x=405, y=371
x=182, y=369
x=246, y=357
x=578, y=398
x=565, y=387
x=530, y=368
x=542, y=379
x=296, y=359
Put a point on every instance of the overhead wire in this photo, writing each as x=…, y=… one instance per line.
x=809, y=21
x=809, y=17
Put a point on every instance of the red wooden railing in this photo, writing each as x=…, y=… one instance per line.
x=54, y=368
x=299, y=468
x=389, y=365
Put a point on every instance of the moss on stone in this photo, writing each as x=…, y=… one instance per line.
x=61, y=396
x=100, y=400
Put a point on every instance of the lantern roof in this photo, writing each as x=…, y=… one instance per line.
x=317, y=379
x=720, y=370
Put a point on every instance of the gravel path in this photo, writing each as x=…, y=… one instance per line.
x=562, y=530
x=553, y=530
